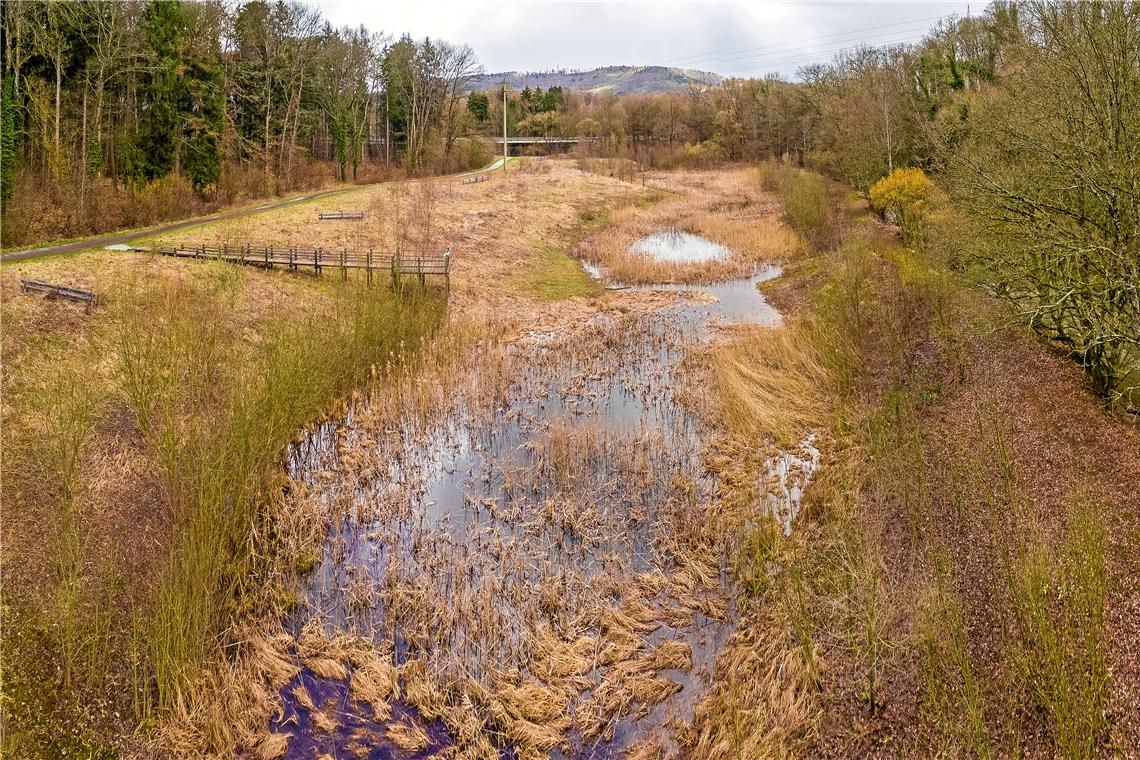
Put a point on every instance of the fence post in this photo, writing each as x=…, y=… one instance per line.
x=343, y=264
x=395, y=275
x=447, y=270
x=268, y=253
x=368, y=265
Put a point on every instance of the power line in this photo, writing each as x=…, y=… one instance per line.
x=815, y=56
x=908, y=35
x=703, y=59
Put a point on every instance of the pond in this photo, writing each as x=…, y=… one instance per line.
x=677, y=247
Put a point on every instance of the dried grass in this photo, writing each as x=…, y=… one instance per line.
x=771, y=382
x=761, y=703
x=750, y=228
x=497, y=657
x=272, y=746
x=408, y=735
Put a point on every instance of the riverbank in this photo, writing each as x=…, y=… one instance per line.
x=964, y=577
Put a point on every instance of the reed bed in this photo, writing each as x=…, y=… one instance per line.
x=567, y=587
x=524, y=540
x=606, y=519
x=749, y=227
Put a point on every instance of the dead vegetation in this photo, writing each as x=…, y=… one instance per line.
x=749, y=226
x=913, y=605
x=539, y=591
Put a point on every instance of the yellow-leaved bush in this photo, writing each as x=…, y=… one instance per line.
x=900, y=190
x=902, y=197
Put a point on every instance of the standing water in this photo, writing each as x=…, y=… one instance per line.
x=677, y=247
x=539, y=571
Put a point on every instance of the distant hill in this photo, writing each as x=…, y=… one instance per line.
x=619, y=80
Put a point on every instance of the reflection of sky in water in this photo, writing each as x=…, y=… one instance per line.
x=737, y=300
x=677, y=247
x=463, y=476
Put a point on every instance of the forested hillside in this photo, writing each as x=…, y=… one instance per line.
x=618, y=80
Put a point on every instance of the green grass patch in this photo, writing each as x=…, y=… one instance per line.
x=556, y=276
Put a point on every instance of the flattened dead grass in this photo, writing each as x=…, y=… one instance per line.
x=750, y=228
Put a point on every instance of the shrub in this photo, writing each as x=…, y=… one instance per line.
x=476, y=153
x=696, y=156
x=900, y=191
x=808, y=207
x=772, y=176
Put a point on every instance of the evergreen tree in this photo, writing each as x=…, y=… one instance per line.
x=479, y=106
x=156, y=144
x=7, y=141
x=203, y=109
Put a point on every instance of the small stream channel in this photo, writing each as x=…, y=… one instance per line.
x=468, y=538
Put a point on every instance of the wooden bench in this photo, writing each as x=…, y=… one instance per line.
x=341, y=215
x=51, y=290
x=476, y=178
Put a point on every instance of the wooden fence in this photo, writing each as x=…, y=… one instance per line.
x=319, y=259
x=340, y=215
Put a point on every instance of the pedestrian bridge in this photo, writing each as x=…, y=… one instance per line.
x=541, y=140
x=517, y=145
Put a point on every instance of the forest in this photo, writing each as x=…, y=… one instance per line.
x=123, y=113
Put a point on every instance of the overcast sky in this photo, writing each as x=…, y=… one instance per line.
x=735, y=39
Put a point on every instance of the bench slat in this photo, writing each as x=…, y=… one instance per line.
x=63, y=291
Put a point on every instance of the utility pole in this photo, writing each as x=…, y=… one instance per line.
x=504, y=127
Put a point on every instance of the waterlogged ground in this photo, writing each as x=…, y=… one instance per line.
x=537, y=570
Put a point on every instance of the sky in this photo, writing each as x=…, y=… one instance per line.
x=729, y=38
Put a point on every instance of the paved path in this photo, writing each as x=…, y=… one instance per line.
x=115, y=238
x=123, y=237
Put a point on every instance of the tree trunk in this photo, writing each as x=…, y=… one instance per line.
x=83, y=163
x=58, y=91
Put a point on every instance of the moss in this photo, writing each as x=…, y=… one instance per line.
x=306, y=563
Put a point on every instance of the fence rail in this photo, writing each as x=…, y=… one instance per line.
x=319, y=259
x=476, y=178
x=340, y=215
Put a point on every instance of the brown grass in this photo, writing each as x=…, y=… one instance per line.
x=749, y=227
x=520, y=681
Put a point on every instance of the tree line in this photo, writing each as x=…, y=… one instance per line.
x=208, y=100
x=1026, y=116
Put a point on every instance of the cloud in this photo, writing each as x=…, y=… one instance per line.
x=735, y=39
